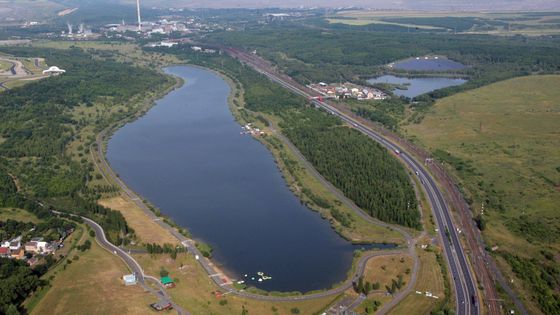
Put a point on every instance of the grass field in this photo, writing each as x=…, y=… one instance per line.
x=502, y=141
x=18, y=215
x=386, y=268
x=148, y=231
x=494, y=23
x=92, y=285
x=194, y=290
x=429, y=279
x=366, y=21
x=5, y=65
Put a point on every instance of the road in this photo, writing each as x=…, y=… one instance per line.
x=462, y=277
x=132, y=264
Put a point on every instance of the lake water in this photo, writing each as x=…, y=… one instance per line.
x=417, y=86
x=430, y=64
x=186, y=156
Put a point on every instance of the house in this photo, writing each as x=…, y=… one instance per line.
x=4, y=252
x=167, y=44
x=19, y=254
x=167, y=282
x=32, y=261
x=130, y=279
x=37, y=245
x=196, y=48
x=15, y=244
x=161, y=305
x=31, y=247
x=54, y=70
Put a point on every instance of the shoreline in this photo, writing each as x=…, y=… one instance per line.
x=105, y=135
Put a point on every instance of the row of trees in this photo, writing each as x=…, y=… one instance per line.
x=365, y=287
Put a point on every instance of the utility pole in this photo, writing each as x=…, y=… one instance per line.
x=138, y=13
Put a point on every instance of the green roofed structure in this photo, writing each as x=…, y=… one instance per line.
x=167, y=282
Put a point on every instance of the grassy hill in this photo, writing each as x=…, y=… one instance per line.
x=502, y=141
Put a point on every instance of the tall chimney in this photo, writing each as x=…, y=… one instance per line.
x=138, y=12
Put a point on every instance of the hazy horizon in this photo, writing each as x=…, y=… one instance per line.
x=422, y=5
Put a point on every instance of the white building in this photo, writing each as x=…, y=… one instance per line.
x=54, y=70
x=130, y=279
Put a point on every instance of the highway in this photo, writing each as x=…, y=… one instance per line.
x=462, y=277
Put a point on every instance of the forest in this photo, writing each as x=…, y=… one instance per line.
x=37, y=125
x=363, y=170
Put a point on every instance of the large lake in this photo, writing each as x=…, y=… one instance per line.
x=417, y=86
x=186, y=156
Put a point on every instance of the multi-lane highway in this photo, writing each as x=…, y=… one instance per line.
x=462, y=276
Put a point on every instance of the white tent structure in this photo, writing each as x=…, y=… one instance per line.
x=54, y=70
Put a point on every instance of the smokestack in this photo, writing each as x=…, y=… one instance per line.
x=138, y=12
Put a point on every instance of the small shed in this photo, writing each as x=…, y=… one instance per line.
x=167, y=282
x=130, y=279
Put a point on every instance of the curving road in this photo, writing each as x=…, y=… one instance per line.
x=132, y=264
x=463, y=280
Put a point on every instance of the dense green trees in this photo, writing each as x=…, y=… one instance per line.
x=17, y=280
x=37, y=122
